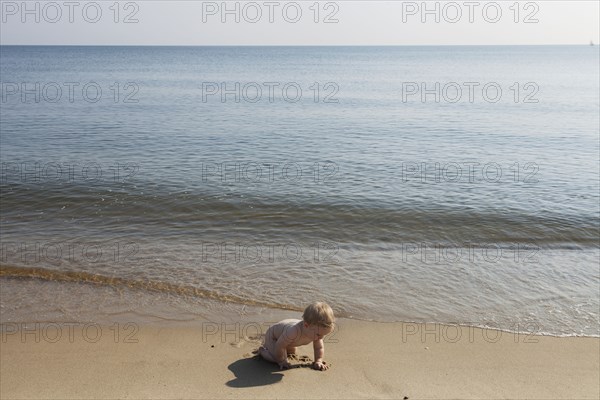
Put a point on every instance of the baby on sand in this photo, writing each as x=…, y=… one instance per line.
x=282, y=338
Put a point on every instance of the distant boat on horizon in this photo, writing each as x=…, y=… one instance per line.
x=591, y=42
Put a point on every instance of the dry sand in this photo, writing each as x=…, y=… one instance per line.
x=368, y=360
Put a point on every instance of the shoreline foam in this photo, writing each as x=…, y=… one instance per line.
x=36, y=300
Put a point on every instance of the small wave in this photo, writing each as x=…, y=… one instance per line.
x=118, y=282
x=160, y=214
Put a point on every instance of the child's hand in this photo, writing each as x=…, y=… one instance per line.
x=320, y=365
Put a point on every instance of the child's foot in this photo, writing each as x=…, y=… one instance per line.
x=258, y=352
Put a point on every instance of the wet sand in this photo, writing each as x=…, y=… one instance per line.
x=368, y=360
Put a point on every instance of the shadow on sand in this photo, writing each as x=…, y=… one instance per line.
x=250, y=372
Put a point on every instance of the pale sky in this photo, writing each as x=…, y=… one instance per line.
x=266, y=22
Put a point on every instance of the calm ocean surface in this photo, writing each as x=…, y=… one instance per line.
x=187, y=179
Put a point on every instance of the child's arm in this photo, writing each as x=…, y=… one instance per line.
x=319, y=348
x=281, y=355
x=283, y=342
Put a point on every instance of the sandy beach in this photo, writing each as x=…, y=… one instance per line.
x=178, y=176
x=368, y=360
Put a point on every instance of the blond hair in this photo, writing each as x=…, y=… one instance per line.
x=319, y=314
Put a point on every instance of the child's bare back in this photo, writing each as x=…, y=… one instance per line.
x=284, y=337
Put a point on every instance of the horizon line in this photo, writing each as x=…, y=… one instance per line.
x=591, y=44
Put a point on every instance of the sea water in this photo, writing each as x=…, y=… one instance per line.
x=450, y=184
